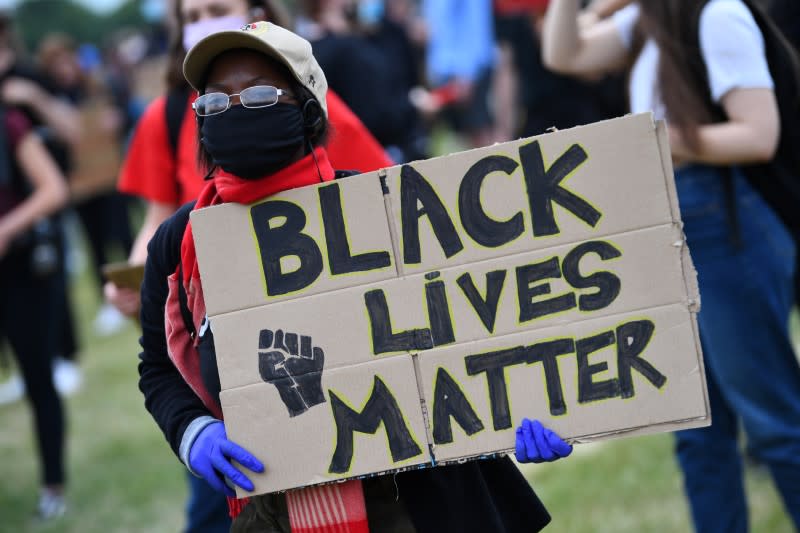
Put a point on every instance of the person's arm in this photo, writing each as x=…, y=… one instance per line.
x=62, y=117
x=739, y=80
x=169, y=399
x=750, y=135
x=571, y=49
x=149, y=172
x=155, y=215
x=50, y=191
x=128, y=301
x=603, y=9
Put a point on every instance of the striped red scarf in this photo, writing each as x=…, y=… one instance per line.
x=336, y=508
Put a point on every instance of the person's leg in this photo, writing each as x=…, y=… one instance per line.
x=27, y=308
x=91, y=213
x=206, y=509
x=746, y=296
x=116, y=216
x=712, y=469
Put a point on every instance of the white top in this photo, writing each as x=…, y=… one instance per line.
x=731, y=44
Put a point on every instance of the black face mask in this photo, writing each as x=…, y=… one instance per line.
x=252, y=143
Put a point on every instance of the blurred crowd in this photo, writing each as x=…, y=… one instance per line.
x=420, y=77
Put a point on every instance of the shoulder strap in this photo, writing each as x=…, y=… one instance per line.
x=175, y=109
x=784, y=66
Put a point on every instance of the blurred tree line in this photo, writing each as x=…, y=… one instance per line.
x=36, y=18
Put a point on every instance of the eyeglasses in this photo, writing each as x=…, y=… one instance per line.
x=252, y=98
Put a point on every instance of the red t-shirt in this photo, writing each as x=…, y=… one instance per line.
x=150, y=171
x=516, y=7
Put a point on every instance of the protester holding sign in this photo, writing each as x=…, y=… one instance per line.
x=161, y=166
x=702, y=64
x=263, y=121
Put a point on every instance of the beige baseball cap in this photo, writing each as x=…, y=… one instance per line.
x=278, y=43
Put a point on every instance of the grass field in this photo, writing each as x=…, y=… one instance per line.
x=124, y=478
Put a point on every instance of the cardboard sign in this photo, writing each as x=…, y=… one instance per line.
x=413, y=316
x=124, y=274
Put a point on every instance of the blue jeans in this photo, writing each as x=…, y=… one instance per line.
x=752, y=372
x=207, y=509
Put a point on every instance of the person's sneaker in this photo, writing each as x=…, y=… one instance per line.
x=12, y=390
x=51, y=505
x=108, y=320
x=67, y=376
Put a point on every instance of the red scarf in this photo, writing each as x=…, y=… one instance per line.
x=320, y=509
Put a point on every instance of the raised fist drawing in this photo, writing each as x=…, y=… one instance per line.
x=295, y=369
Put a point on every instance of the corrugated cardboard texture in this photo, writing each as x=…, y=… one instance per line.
x=418, y=313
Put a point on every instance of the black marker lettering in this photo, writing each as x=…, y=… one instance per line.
x=486, y=308
x=494, y=364
x=414, y=190
x=449, y=401
x=547, y=354
x=285, y=241
x=544, y=188
x=384, y=340
x=381, y=407
x=478, y=225
x=439, y=313
x=588, y=389
x=340, y=258
x=527, y=274
x=632, y=339
x=607, y=283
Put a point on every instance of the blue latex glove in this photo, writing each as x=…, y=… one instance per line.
x=210, y=456
x=537, y=444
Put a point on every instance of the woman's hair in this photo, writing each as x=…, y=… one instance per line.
x=674, y=25
x=273, y=11
x=317, y=136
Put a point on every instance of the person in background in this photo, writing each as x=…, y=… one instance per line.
x=387, y=27
x=95, y=160
x=461, y=54
x=161, y=168
x=701, y=64
x=31, y=189
x=355, y=61
x=548, y=99
x=287, y=104
x=57, y=123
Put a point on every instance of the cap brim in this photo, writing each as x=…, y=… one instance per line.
x=201, y=55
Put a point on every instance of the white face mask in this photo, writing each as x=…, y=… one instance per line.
x=194, y=32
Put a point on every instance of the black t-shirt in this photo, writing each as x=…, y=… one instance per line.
x=358, y=71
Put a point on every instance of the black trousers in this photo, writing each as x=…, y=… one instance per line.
x=29, y=310
x=105, y=219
